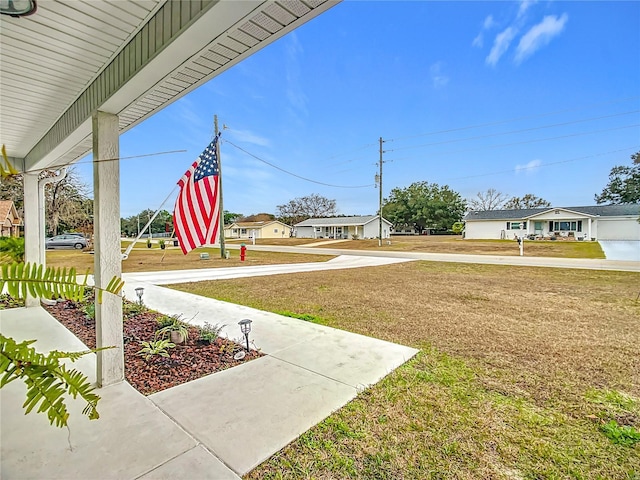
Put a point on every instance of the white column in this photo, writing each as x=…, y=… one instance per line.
x=108, y=257
x=589, y=229
x=32, y=238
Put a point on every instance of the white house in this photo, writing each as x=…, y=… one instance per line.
x=601, y=222
x=343, y=227
x=272, y=229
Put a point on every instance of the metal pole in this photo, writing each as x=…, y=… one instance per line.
x=221, y=222
x=380, y=202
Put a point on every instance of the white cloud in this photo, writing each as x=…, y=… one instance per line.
x=478, y=41
x=438, y=78
x=295, y=93
x=524, y=6
x=500, y=45
x=249, y=137
x=540, y=35
x=489, y=22
x=528, y=168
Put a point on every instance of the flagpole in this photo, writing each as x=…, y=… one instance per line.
x=221, y=225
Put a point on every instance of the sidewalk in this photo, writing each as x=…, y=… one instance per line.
x=220, y=426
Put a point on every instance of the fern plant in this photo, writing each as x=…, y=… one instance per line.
x=47, y=379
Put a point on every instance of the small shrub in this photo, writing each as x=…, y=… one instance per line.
x=132, y=309
x=355, y=236
x=162, y=243
x=90, y=311
x=148, y=243
x=209, y=332
x=156, y=347
x=7, y=301
x=164, y=321
x=11, y=249
x=620, y=435
x=176, y=325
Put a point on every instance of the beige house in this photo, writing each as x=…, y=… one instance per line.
x=249, y=230
x=10, y=221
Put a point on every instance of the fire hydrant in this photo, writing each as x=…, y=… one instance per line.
x=243, y=251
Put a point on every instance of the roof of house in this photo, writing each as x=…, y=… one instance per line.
x=6, y=206
x=596, y=211
x=339, y=221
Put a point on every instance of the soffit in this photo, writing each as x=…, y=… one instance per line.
x=131, y=58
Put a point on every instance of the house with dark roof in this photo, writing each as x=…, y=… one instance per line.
x=367, y=226
x=10, y=221
x=600, y=222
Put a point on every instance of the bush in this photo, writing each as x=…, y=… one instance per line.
x=209, y=332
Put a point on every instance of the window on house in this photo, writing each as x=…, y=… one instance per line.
x=243, y=231
x=568, y=226
x=318, y=229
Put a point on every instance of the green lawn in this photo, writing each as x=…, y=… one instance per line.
x=522, y=372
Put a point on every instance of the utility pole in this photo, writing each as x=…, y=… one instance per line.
x=380, y=199
x=223, y=253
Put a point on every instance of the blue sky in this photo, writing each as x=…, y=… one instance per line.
x=524, y=97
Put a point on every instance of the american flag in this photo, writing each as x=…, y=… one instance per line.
x=196, y=216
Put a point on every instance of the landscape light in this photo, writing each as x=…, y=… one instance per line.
x=139, y=293
x=245, y=328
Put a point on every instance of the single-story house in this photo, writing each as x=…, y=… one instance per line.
x=367, y=226
x=601, y=222
x=10, y=221
x=272, y=229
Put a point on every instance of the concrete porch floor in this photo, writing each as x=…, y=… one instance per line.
x=217, y=427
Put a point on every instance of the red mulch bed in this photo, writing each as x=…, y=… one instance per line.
x=188, y=361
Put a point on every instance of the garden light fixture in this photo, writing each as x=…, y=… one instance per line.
x=245, y=328
x=139, y=293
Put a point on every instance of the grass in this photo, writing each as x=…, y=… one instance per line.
x=523, y=372
x=455, y=244
x=155, y=259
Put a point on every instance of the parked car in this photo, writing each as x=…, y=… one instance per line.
x=68, y=240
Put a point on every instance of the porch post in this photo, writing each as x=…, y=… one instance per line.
x=32, y=240
x=589, y=229
x=108, y=256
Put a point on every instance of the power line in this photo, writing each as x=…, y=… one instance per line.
x=543, y=164
x=479, y=137
x=500, y=145
x=500, y=122
x=293, y=174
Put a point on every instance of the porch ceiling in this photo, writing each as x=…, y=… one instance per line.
x=131, y=58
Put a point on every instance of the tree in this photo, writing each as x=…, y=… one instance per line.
x=65, y=205
x=303, y=208
x=489, y=200
x=624, y=184
x=424, y=206
x=258, y=217
x=230, y=217
x=527, y=201
x=11, y=188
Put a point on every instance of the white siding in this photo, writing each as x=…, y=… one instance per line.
x=372, y=230
x=618, y=229
x=488, y=229
x=304, y=232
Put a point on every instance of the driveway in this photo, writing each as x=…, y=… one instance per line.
x=628, y=250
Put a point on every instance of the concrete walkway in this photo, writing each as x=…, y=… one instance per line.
x=220, y=426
